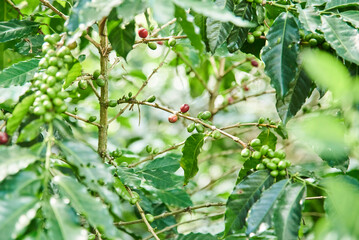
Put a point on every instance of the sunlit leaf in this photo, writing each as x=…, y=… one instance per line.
x=15, y=29
x=19, y=73
x=19, y=113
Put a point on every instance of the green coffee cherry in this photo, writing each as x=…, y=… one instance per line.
x=112, y=103
x=152, y=45
x=206, y=115
x=279, y=154
x=191, y=127
x=245, y=153
x=275, y=160
x=133, y=200
x=283, y=172
x=149, y=217
x=151, y=98
x=83, y=84
x=148, y=149
x=282, y=165
x=68, y=59
x=325, y=46
x=260, y=166
x=261, y=120
x=288, y=163
x=313, y=42
x=92, y=118
x=216, y=134
x=250, y=38
x=255, y=142
x=156, y=150
x=264, y=149
x=260, y=28
x=272, y=166
x=256, y=155
x=257, y=33
x=274, y=173
x=265, y=161
x=270, y=153
x=199, y=128
x=96, y=74
x=100, y=82
x=172, y=42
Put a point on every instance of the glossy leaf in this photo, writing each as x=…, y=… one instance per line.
x=61, y=221
x=31, y=131
x=351, y=16
x=262, y=208
x=268, y=138
x=168, y=163
x=24, y=183
x=129, y=177
x=159, y=179
x=13, y=159
x=130, y=8
x=248, y=167
x=16, y=29
x=288, y=212
x=190, y=151
x=93, y=209
x=209, y=9
x=280, y=55
x=217, y=31
x=86, y=12
x=244, y=195
x=121, y=39
x=175, y=197
x=74, y=72
x=309, y=18
x=295, y=98
x=196, y=236
x=189, y=28
x=19, y=113
x=340, y=3
x=19, y=73
x=15, y=215
x=30, y=45
x=121, y=190
x=341, y=37
x=163, y=10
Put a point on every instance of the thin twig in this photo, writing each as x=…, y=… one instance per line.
x=142, y=213
x=82, y=119
x=152, y=156
x=141, y=88
x=238, y=125
x=228, y=70
x=314, y=198
x=15, y=7
x=94, y=89
x=145, y=40
x=162, y=27
x=167, y=214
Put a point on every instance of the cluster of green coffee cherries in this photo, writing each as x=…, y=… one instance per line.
x=269, y=159
x=47, y=82
x=314, y=40
x=204, y=116
x=257, y=33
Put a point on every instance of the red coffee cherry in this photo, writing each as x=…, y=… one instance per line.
x=245, y=88
x=173, y=118
x=4, y=138
x=184, y=108
x=254, y=63
x=142, y=32
x=159, y=42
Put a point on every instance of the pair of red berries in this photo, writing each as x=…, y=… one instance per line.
x=173, y=118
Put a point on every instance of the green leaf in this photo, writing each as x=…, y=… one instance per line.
x=31, y=131
x=244, y=195
x=248, y=167
x=16, y=29
x=238, y=35
x=19, y=113
x=262, y=208
x=309, y=18
x=288, y=212
x=268, y=138
x=61, y=221
x=30, y=45
x=94, y=210
x=340, y=3
x=86, y=12
x=295, y=98
x=351, y=16
x=130, y=8
x=163, y=10
x=13, y=159
x=341, y=37
x=168, y=163
x=196, y=236
x=175, y=197
x=121, y=190
x=24, y=183
x=190, y=151
x=217, y=31
x=19, y=73
x=74, y=72
x=160, y=179
x=209, y=9
x=129, y=177
x=189, y=28
x=121, y=39
x=280, y=55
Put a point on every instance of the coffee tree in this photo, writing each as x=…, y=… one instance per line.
x=179, y=119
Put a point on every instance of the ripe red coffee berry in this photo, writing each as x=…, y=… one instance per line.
x=173, y=118
x=184, y=108
x=4, y=138
x=254, y=63
x=142, y=32
x=245, y=88
x=159, y=42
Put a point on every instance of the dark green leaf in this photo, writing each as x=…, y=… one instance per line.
x=62, y=222
x=130, y=8
x=30, y=45
x=309, y=18
x=168, y=163
x=74, y=72
x=25, y=183
x=209, y=9
x=268, y=138
x=200, y=21
x=175, y=197
x=19, y=73
x=30, y=131
x=189, y=28
x=248, y=167
x=288, y=212
x=129, y=177
x=262, y=208
x=217, y=31
x=190, y=151
x=122, y=39
x=16, y=29
x=244, y=195
x=341, y=37
x=95, y=211
x=351, y=16
x=159, y=179
x=197, y=236
x=280, y=55
x=19, y=113
x=16, y=214
x=13, y=159
x=295, y=98
x=340, y=3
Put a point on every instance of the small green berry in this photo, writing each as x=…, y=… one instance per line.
x=112, y=103
x=92, y=118
x=274, y=173
x=256, y=155
x=199, y=128
x=255, y=142
x=206, y=115
x=245, y=153
x=260, y=166
x=151, y=99
x=152, y=45
x=250, y=38
x=191, y=127
x=148, y=149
